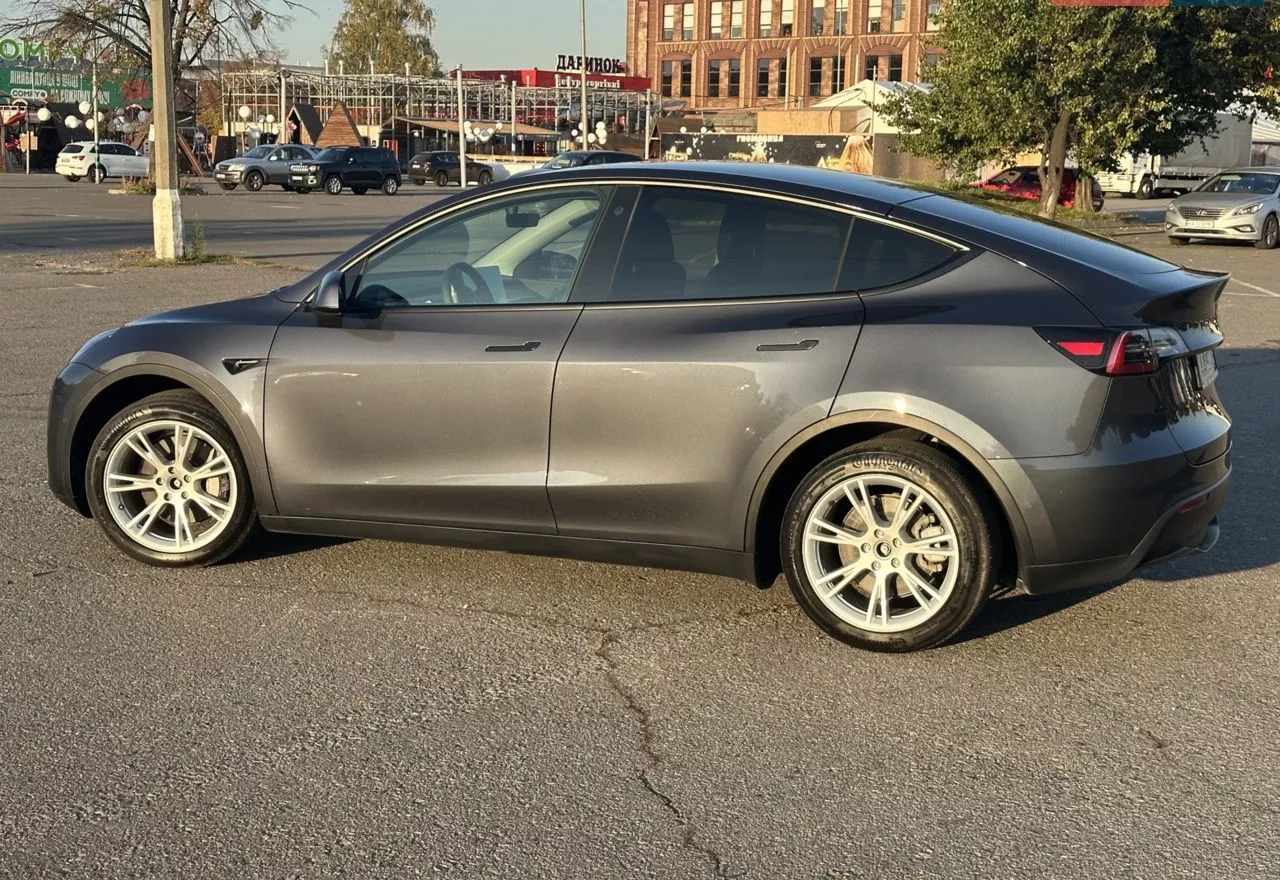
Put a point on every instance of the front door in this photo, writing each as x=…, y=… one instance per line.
x=428, y=400
x=724, y=333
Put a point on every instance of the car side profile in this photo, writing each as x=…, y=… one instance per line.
x=1238, y=205
x=360, y=169
x=444, y=167
x=261, y=166
x=1023, y=182
x=100, y=161
x=897, y=399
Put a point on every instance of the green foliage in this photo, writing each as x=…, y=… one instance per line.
x=1025, y=75
x=388, y=32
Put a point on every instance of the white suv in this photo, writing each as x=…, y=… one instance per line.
x=77, y=160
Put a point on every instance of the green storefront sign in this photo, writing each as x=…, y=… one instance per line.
x=115, y=89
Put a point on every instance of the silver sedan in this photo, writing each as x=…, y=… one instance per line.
x=1241, y=205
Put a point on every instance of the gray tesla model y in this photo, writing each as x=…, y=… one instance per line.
x=897, y=399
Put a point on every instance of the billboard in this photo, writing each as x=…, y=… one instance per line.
x=48, y=84
x=846, y=152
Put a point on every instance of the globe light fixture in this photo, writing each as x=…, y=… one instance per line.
x=84, y=108
x=71, y=121
x=43, y=114
x=244, y=112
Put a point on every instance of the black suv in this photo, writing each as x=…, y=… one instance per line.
x=360, y=168
x=444, y=167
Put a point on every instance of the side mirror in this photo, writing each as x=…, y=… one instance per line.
x=329, y=295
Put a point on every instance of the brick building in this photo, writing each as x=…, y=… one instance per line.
x=715, y=54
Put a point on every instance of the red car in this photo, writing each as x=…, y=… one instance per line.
x=1023, y=182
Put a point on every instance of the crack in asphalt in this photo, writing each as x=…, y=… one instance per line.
x=653, y=758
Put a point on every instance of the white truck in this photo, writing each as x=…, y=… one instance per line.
x=1144, y=175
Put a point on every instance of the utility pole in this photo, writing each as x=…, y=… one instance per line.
x=513, y=116
x=462, y=137
x=97, y=123
x=166, y=208
x=585, y=121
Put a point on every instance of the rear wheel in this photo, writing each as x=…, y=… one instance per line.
x=168, y=484
x=886, y=547
x=333, y=185
x=1146, y=188
x=442, y=178
x=1270, y=234
x=253, y=181
x=390, y=186
x=97, y=174
x=484, y=178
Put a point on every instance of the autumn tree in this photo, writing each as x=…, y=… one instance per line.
x=385, y=34
x=1026, y=75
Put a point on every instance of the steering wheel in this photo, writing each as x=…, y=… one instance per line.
x=380, y=296
x=459, y=293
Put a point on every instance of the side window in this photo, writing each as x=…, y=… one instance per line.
x=880, y=255
x=689, y=244
x=524, y=249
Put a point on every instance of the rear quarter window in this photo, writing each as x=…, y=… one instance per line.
x=881, y=255
x=71, y=149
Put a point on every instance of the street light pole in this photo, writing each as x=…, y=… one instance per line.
x=97, y=125
x=585, y=122
x=166, y=208
x=462, y=140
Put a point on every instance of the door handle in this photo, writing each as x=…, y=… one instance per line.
x=528, y=346
x=802, y=345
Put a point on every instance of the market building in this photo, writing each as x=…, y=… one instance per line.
x=744, y=54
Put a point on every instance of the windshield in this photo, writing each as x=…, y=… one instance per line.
x=1243, y=183
x=565, y=161
x=258, y=153
x=332, y=154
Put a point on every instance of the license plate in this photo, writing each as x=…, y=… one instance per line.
x=1206, y=368
x=1200, y=224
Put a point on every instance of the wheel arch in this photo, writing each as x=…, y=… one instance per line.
x=128, y=385
x=808, y=448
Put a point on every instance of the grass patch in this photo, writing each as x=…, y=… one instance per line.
x=145, y=186
x=141, y=259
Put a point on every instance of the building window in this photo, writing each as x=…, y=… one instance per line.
x=815, y=77
x=762, y=78
x=713, y=79
x=735, y=19
x=788, y=17
x=766, y=18
x=735, y=77
x=840, y=26
x=895, y=68
x=688, y=21
x=686, y=77
x=875, y=11
x=817, y=18
x=837, y=74
x=871, y=67
x=717, y=20
x=927, y=63
x=667, y=71
x=899, y=14
x=933, y=9
x=669, y=21
x=782, y=77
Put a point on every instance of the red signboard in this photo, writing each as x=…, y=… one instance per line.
x=552, y=78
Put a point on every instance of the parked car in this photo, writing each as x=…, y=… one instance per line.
x=106, y=159
x=578, y=158
x=445, y=167
x=1239, y=205
x=896, y=398
x=267, y=164
x=360, y=168
x=1023, y=182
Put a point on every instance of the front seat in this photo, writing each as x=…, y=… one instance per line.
x=740, y=255
x=648, y=269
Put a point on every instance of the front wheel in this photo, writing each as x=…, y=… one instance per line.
x=390, y=186
x=1146, y=188
x=333, y=186
x=253, y=181
x=887, y=548
x=97, y=174
x=442, y=178
x=168, y=484
x=484, y=178
x=1270, y=234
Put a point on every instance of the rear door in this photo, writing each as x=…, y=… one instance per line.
x=719, y=335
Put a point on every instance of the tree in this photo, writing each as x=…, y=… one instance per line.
x=386, y=34
x=1025, y=75
x=230, y=28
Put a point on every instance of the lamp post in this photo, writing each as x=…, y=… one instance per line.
x=583, y=127
x=244, y=113
x=462, y=142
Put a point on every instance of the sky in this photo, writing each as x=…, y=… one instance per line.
x=478, y=34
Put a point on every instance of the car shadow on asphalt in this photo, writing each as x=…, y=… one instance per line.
x=274, y=545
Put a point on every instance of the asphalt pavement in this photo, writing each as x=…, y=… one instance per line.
x=320, y=708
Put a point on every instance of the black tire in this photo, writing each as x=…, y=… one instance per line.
x=228, y=186
x=333, y=185
x=253, y=181
x=1270, y=234
x=97, y=174
x=192, y=409
x=303, y=190
x=442, y=178
x=1146, y=188
x=484, y=178
x=391, y=185
x=971, y=518
x=1179, y=242
x=417, y=182
x=359, y=190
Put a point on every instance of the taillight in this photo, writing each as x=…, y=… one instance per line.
x=1116, y=352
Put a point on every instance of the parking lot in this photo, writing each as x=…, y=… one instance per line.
x=315, y=708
